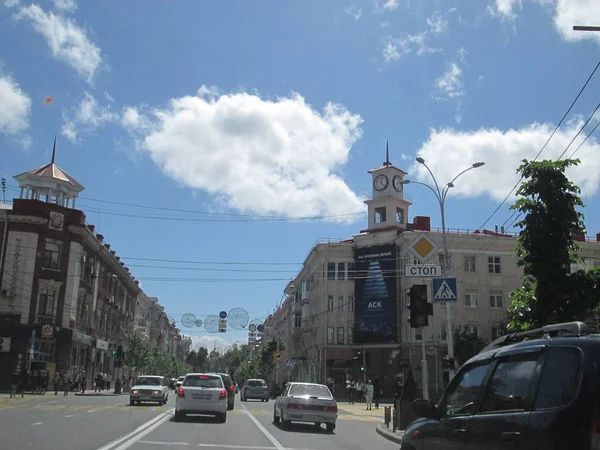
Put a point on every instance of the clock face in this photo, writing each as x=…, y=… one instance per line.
x=380, y=183
x=398, y=183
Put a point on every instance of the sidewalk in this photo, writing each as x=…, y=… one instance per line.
x=358, y=409
x=387, y=433
x=99, y=394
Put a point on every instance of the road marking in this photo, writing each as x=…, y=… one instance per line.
x=248, y=447
x=163, y=443
x=37, y=423
x=150, y=429
x=134, y=432
x=263, y=430
x=70, y=416
x=92, y=410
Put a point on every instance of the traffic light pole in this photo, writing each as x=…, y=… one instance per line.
x=424, y=368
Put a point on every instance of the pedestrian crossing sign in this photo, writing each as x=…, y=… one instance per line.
x=444, y=290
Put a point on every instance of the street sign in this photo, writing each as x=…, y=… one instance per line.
x=430, y=351
x=289, y=362
x=423, y=248
x=444, y=290
x=277, y=357
x=422, y=270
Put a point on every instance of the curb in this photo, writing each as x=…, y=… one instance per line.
x=97, y=394
x=382, y=430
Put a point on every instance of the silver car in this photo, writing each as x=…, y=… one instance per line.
x=256, y=389
x=201, y=393
x=306, y=402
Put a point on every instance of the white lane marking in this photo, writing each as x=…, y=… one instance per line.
x=245, y=447
x=162, y=443
x=142, y=427
x=70, y=416
x=37, y=423
x=92, y=410
x=263, y=430
x=125, y=445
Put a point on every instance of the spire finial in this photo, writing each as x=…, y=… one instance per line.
x=387, y=162
x=53, y=151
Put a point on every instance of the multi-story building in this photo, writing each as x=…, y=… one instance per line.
x=347, y=308
x=66, y=299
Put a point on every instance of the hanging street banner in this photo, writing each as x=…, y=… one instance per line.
x=375, y=312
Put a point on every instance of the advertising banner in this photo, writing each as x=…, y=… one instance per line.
x=375, y=312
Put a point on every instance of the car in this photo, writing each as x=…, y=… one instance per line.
x=305, y=402
x=255, y=389
x=537, y=389
x=202, y=393
x=179, y=381
x=149, y=388
x=230, y=390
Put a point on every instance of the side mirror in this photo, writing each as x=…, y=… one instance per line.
x=426, y=409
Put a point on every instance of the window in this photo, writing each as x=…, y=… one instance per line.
x=340, y=336
x=51, y=255
x=297, y=320
x=341, y=270
x=560, y=377
x=330, y=303
x=497, y=331
x=443, y=333
x=469, y=264
x=461, y=395
x=380, y=215
x=495, y=299
x=351, y=271
x=509, y=386
x=351, y=303
x=494, y=264
x=331, y=271
x=349, y=335
x=418, y=334
x=399, y=215
x=471, y=300
x=313, y=390
x=46, y=302
x=330, y=335
x=152, y=381
x=473, y=329
x=341, y=303
x=205, y=381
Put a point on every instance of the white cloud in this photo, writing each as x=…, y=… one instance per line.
x=437, y=23
x=67, y=41
x=396, y=48
x=354, y=12
x=11, y=3
x=208, y=342
x=262, y=156
x=65, y=5
x=87, y=115
x=505, y=9
x=449, y=85
x=391, y=4
x=568, y=13
x=16, y=107
x=447, y=152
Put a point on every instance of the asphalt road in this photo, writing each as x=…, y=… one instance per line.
x=109, y=423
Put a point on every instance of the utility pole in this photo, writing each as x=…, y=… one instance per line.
x=585, y=28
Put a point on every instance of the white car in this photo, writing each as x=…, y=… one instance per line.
x=306, y=402
x=201, y=393
x=178, y=382
x=149, y=388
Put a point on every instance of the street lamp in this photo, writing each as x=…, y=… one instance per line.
x=585, y=28
x=441, y=193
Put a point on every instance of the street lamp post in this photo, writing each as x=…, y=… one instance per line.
x=585, y=28
x=441, y=193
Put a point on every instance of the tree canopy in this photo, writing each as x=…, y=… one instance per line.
x=546, y=248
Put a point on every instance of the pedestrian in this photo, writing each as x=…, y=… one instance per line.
x=376, y=391
x=14, y=385
x=351, y=391
x=359, y=391
x=369, y=394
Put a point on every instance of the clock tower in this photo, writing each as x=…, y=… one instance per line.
x=387, y=208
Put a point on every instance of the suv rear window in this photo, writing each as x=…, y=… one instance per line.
x=310, y=389
x=226, y=379
x=560, y=377
x=256, y=383
x=205, y=381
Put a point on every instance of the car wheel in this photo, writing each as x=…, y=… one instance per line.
x=318, y=424
x=131, y=403
x=267, y=400
x=178, y=416
x=222, y=418
x=330, y=427
x=275, y=418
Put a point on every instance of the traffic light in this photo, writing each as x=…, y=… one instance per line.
x=362, y=368
x=449, y=363
x=420, y=308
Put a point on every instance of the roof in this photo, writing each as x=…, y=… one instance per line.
x=52, y=171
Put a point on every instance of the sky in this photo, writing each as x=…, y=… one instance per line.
x=219, y=141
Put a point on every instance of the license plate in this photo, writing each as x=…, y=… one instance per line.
x=201, y=396
x=311, y=417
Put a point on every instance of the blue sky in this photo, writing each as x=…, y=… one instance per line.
x=239, y=112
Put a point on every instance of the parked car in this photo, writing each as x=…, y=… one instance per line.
x=537, y=390
x=202, y=393
x=255, y=389
x=179, y=381
x=306, y=402
x=149, y=388
x=230, y=390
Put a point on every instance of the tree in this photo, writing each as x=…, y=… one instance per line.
x=547, y=247
x=198, y=359
x=138, y=353
x=467, y=343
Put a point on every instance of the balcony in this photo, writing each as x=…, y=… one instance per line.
x=45, y=319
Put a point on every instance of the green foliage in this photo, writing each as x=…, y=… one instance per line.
x=547, y=247
x=198, y=360
x=410, y=388
x=467, y=344
x=258, y=362
x=141, y=357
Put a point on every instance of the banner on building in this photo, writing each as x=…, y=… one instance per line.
x=375, y=312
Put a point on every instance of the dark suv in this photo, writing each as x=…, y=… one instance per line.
x=230, y=387
x=535, y=390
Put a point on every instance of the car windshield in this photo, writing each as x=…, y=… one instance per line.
x=148, y=381
x=205, y=381
x=310, y=389
x=257, y=383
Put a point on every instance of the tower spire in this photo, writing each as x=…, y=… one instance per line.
x=53, y=151
x=387, y=162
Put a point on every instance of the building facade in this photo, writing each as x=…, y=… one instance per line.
x=348, y=308
x=66, y=298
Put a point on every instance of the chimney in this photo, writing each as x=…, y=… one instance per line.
x=100, y=238
x=137, y=282
x=118, y=258
x=112, y=252
x=91, y=228
x=597, y=237
x=107, y=246
x=580, y=237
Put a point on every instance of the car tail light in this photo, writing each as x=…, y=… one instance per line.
x=331, y=408
x=595, y=435
x=232, y=388
x=180, y=392
x=294, y=406
x=223, y=394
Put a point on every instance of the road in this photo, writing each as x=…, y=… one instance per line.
x=109, y=423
